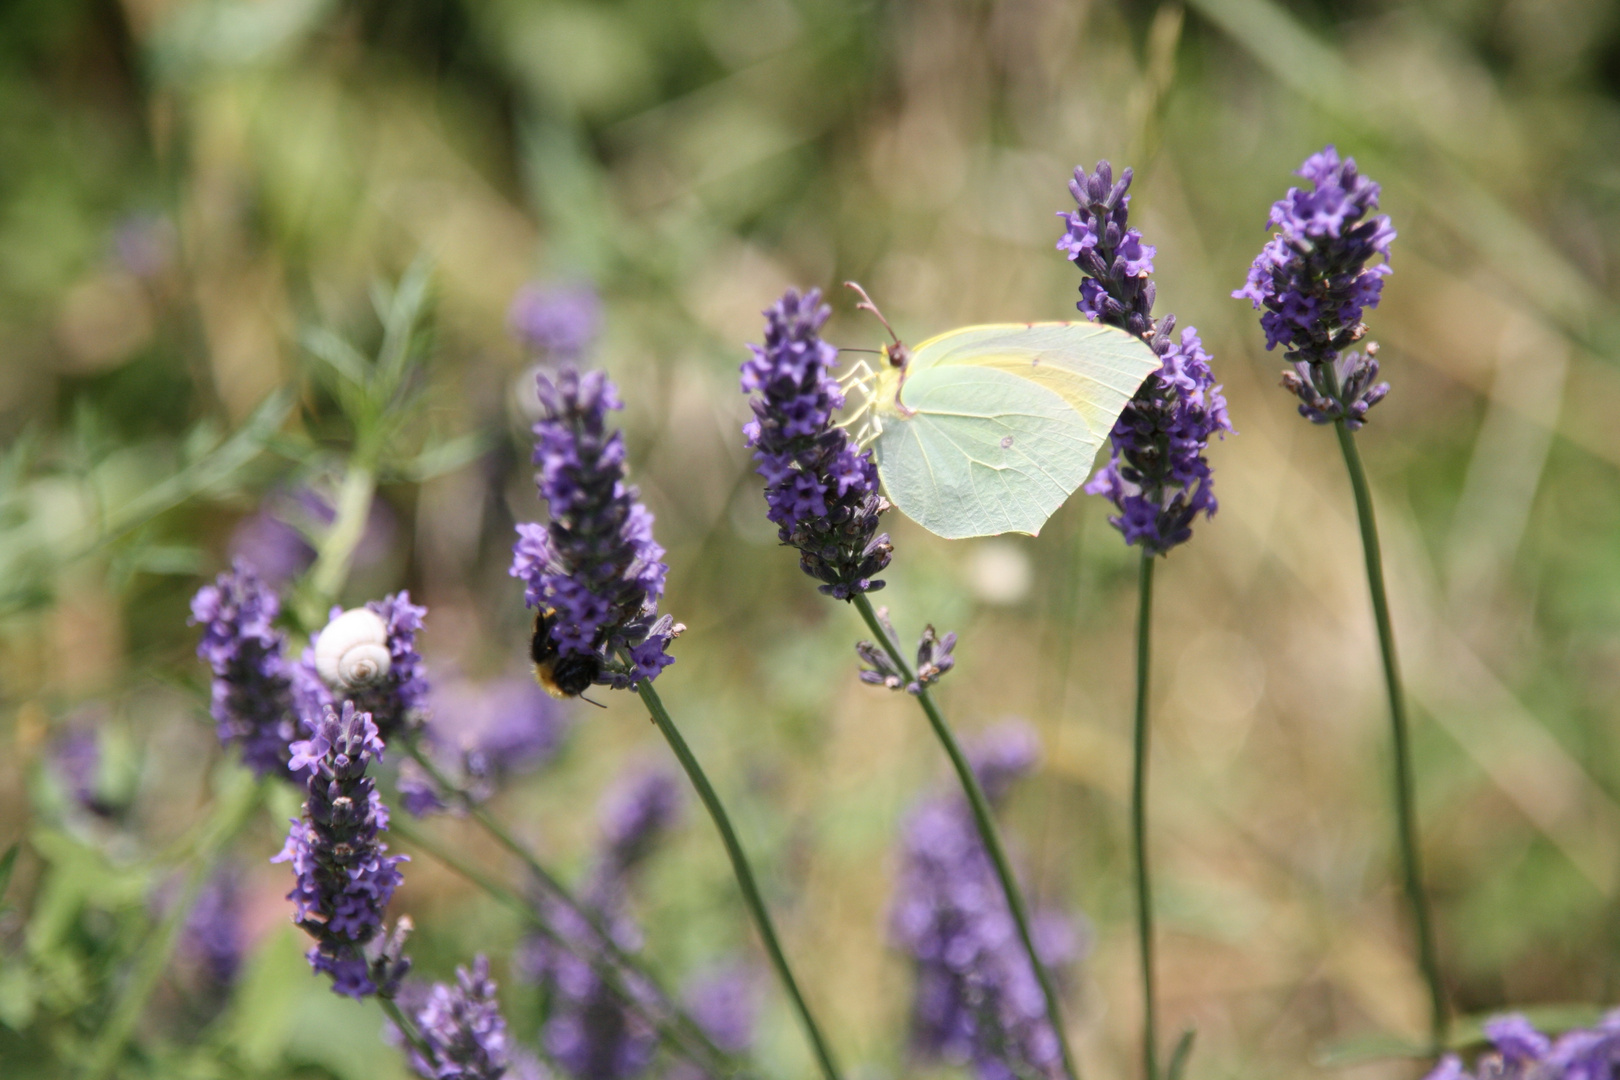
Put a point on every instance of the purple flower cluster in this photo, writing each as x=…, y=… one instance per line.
x=595, y=563
x=557, y=321
x=392, y=701
x=1157, y=476
x=463, y=1029
x=484, y=733
x=214, y=935
x=592, y=1031
x=1520, y=1052
x=344, y=876
x=1313, y=282
x=276, y=538
x=252, y=701
x=722, y=1000
x=821, y=490
x=75, y=759
x=977, y=1000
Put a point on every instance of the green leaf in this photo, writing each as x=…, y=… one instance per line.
x=1180, y=1055
x=1363, y=1049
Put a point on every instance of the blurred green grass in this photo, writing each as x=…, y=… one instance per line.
x=693, y=157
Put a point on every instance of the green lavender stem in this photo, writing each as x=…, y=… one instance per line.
x=159, y=945
x=1405, y=808
x=690, y=1030
x=406, y=1028
x=1139, y=825
x=987, y=831
x=743, y=872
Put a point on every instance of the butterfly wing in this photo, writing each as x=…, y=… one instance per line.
x=1095, y=368
x=984, y=452
x=1002, y=422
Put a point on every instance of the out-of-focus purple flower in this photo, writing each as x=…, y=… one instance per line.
x=1313, y=282
x=595, y=564
x=560, y=322
x=345, y=877
x=276, y=539
x=75, y=759
x=485, y=733
x=977, y=1000
x=1157, y=476
x=593, y=1033
x=214, y=934
x=934, y=658
x=251, y=696
x=394, y=699
x=821, y=490
x=1519, y=1052
x=463, y=1028
x=145, y=244
x=723, y=1001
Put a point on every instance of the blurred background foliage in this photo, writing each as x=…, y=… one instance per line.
x=189, y=189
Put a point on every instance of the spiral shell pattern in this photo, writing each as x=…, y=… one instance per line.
x=353, y=650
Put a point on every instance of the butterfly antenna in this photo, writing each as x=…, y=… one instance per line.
x=867, y=305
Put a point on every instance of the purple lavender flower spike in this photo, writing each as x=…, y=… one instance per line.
x=486, y=733
x=821, y=490
x=252, y=700
x=345, y=877
x=724, y=1001
x=592, y=1033
x=977, y=1001
x=1519, y=1052
x=557, y=321
x=214, y=933
x=1157, y=476
x=1314, y=284
x=595, y=564
x=75, y=759
x=463, y=1029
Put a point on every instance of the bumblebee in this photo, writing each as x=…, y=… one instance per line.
x=561, y=676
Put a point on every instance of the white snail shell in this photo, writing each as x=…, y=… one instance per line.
x=353, y=650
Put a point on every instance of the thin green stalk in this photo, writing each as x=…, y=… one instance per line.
x=406, y=1028
x=743, y=872
x=1139, y=825
x=684, y=1032
x=987, y=832
x=154, y=955
x=353, y=510
x=1405, y=799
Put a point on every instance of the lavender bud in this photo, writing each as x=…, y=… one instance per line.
x=934, y=659
x=821, y=490
x=251, y=697
x=1313, y=282
x=595, y=563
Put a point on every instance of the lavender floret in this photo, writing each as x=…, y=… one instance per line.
x=345, y=877
x=463, y=1029
x=1314, y=284
x=977, y=1000
x=934, y=658
x=595, y=563
x=251, y=697
x=821, y=490
x=1157, y=476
